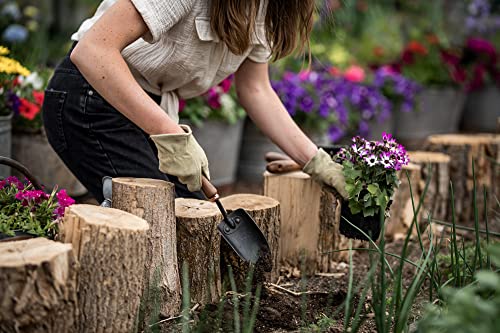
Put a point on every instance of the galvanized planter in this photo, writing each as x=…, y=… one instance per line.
x=221, y=142
x=482, y=110
x=34, y=151
x=5, y=142
x=439, y=111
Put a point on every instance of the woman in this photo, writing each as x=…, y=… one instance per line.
x=111, y=106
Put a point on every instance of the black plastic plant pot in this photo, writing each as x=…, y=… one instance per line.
x=18, y=235
x=370, y=224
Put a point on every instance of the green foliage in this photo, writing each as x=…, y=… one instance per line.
x=474, y=308
x=322, y=325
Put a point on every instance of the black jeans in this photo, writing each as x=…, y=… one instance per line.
x=94, y=139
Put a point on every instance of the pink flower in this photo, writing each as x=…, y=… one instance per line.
x=213, y=99
x=64, y=199
x=226, y=85
x=355, y=74
x=304, y=75
x=15, y=181
x=182, y=104
x=334, y=71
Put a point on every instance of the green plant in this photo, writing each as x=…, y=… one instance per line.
x=32, y=211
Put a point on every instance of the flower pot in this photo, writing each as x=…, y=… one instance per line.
x=482, y=109
x=439, y=111
x=34, y=151
x=18, y=235
x=221, y=142
x=370, y=224
x=5, y=142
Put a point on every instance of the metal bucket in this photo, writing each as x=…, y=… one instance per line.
x=482, y=110
x=5, y=142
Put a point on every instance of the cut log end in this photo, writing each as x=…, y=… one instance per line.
x=192, y=208
x=249, y=202
x=30, y=252
x=461, y=139
x=428, y=157
x=108, y=217
x=142, y=182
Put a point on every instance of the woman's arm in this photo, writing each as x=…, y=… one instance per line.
x=98, y=57
x=265, y=108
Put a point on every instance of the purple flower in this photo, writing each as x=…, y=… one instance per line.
x=306, y=104
x=15, y=181
x=64, y=199
x=335, y=133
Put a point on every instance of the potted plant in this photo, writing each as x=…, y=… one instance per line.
x=217, y=122
x=28, y=212
x=482, y=60
x=440, y=104
x=370, y=169
x=9, y=70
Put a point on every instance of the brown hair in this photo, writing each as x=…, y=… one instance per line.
x=288, y=24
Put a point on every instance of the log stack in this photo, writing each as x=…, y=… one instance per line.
x=37, y=287
x=110, y=246
x=265, y=211
x=484, y=150
x=198, y=245
x=153, y=201
x=310, y=216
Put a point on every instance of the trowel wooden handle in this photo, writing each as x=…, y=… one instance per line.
x=274, y=156
x=208, y=189
x=283, y=166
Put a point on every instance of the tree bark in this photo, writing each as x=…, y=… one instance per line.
x=435, y=169
x=37, y=287
x=484, y=150
x=198, y=245
x=401, y=211
x=310, y=217
x=265, y=212
x=110, y=246
x=153, y=201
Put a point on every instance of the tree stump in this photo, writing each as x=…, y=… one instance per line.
x=37, y=287
x=265, y=212
x=484, y=150
x=153, y=201
x=198, y=244
x=435, y=169
x=310, y=217
x=401, y=211
x=110, y=246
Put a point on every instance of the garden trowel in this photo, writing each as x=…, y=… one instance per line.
x=241, y=232
x=107, y=191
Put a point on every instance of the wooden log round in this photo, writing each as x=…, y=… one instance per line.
x=153, y=201
x=37, y=287
x=110, y=246
x=198, y=245
x=435, y=169
x=401, y=211
x=265, y=211
x=484, y=150
x=310, y=217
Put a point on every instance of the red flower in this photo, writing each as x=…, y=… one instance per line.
x=432, y=39
x=28, y=110
x=416, y=47
x=213, y=99
x=38, y=96
x=450, y=58
x=334, y=71
x=408, y=57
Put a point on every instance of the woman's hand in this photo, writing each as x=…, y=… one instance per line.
x=181, y=155
x=99, y=59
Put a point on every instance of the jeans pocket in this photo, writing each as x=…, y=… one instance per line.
x=101, y=115
x=52, y=111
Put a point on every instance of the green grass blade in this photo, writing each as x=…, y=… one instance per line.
x=186, y=299
x=485, y=196
x=347, y=313
x=255, y=310
x=236, y=302
x=477, y=254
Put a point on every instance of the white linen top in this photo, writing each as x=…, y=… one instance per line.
x=181, y=56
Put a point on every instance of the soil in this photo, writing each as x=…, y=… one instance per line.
x=296, y=303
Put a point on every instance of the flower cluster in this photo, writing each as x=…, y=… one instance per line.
x=344, y=103
x=480, y=18
x=479, y=60
x=18, y=22
x=370, y=169
x=218, y=103
x=24, y=208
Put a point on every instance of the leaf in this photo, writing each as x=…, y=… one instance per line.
x=355, y=207
x=488, y=279
x=370, y=211
x=494, y=251
x=373, y=189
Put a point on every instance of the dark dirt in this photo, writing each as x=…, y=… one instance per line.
x=295, y=303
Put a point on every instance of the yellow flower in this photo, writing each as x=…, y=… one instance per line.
x=11, y=66
x=3, y=50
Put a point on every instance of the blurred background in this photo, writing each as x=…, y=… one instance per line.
x=412, y=68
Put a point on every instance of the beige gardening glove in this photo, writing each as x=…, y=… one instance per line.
x=180, y=155
x=324, y=170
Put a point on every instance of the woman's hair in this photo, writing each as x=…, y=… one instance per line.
x=288, y=23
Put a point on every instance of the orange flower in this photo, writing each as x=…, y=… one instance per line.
x=416, y=47
x=378, y=51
